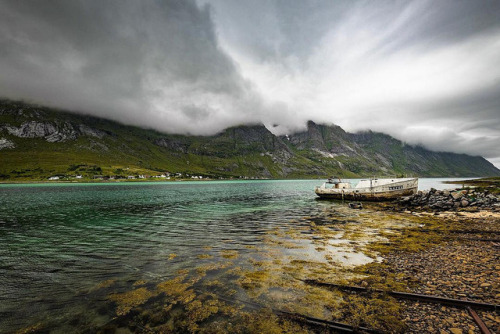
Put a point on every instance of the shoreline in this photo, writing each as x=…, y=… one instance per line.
x=194, y=179
x=461, y=263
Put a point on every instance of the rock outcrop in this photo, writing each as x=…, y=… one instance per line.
x=53, y=132
x=5, y=143
x=445, y=200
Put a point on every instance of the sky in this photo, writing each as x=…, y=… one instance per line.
x=425, y=72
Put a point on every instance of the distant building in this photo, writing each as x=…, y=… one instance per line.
x=79, y=176
x=53, y=178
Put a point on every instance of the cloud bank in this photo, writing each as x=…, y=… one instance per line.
x=425, y=72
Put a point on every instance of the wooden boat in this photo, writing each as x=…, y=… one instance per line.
x=372, y=189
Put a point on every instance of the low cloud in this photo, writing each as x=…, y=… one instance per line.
x=425, y=72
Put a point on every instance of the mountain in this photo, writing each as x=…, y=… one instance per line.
x=37, y=142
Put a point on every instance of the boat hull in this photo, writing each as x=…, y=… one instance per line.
x=374, y=197
x=370, y=190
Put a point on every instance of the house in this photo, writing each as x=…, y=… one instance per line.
x=53, y=178
x=79, y=176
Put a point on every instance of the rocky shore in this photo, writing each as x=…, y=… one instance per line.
x=446, y=200
x=465, y=270
x=464, y=264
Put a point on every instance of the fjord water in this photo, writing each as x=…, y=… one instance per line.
x=58, y=241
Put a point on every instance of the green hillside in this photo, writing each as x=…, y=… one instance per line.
x=38, y=142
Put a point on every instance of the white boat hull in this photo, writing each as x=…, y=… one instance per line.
x=380, y=190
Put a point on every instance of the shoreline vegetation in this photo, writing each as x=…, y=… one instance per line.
x=431, y=251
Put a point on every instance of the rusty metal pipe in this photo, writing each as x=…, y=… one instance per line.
x=413, y=296
x=478, y=321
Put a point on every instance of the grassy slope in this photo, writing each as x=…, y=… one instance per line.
x=420, y=161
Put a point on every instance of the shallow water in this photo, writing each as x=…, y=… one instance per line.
x=58, y=242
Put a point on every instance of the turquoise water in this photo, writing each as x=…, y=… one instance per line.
x=58, y=241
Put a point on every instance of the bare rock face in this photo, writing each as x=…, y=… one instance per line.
x=5, y=143
x=53, y=132
x=91, y=132
x=32, y=129
x=173, y=144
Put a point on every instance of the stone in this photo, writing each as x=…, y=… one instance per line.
x=455, y=330
x=458, y=194
x=464, y=203
x=5, y=143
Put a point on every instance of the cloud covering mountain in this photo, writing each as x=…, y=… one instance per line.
x=423, y=71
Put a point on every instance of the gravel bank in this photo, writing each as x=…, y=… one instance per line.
x=459, y=268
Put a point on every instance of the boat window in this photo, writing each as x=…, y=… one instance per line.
x=395, y=187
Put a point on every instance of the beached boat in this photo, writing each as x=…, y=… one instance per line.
x=372, y=189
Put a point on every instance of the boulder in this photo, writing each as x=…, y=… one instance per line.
x=5, y=143
x=458, y=194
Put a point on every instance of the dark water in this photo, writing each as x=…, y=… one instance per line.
x=59, y=241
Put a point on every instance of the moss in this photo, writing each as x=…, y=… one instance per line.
x=229, y=254
x=254, y=279
x=380, y=313
x=139, y=283
x=172, y=256
x=263, y=321
x=204, y=256
x=130, y=299
x=202, y=270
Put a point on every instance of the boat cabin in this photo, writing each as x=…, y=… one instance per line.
x=338, y=184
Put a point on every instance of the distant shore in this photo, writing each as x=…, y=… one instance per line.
x=488, y=181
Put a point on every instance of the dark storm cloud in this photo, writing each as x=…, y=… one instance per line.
x=424, y=71
x=149, y=63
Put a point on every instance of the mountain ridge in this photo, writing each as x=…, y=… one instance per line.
x=37, y=142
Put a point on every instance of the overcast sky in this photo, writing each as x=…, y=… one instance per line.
x=425, y=72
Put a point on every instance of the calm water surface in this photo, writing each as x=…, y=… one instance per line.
x=59, y=241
